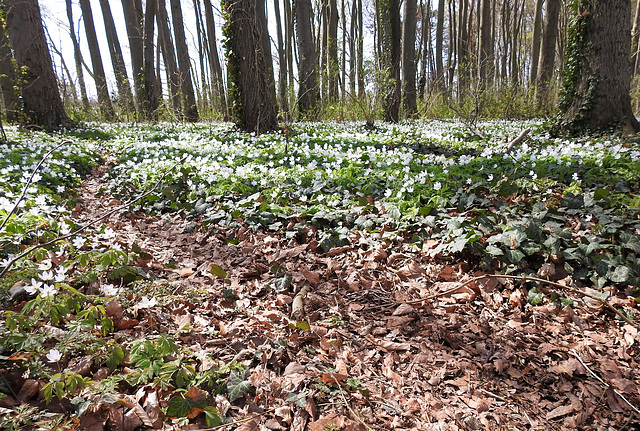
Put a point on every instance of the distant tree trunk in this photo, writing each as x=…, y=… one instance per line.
x=597, y=78
x=282, y=60
x=253, y=90
x=151, y=89
x=77, y=55
x=548, y=57
x=409, y=57
x=308, y=88
x=388, y=12
x=214, y=60
x=169, y=55
x=439, y=44
x=122, y=80
x=484, y=60
x=133, y=19
x=41, y=101
x=635, y=40
x=202, y=39
x=360, y=55
x=104, y=100
x=186, y=82
x=332, y=50
x=8, y=80
x=535, y=42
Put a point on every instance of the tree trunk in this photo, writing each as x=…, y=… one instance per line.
x=308, y=87
x=186, y=82
x=169, y=56
x=282, y=60
x=535, y=42
x=201, y=38
x=484, y=61
x=151, y=90
x=439, y=44
x=8, y=80
x=548, y=57
x=597, y=77
x=333, y=67
x=254, y=101
x=409, y=57
x=635, y=40
x=133, y=19
x=122, y=80
x=104, y=100
x=41, y=101
x=77, y=55
x=214, y=60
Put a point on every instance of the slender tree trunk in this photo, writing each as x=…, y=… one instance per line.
x=186, y=82
x=254, y=91
x=360, y=59
x=389, y=16
x=409, y=57
x=282, y=60
x=201, y=38
x=151, y=89
x=333, y=67
x=165, y=43
x=484, y=61
x=106, y=107
x=133, y=19
x=597, y=80
x=439, y=44
x=635, y=40
x=548, y=57
x=8, y=80
x=122, y=80
x=308, y=88
x=77, y=55
x=535, y=42
x=41, y=101
x=214, y=60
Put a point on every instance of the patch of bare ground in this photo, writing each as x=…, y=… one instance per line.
x=374, y=357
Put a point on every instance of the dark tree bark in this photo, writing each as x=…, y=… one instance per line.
x=282, y=60
x=253, y=90
x=333, y=67
x=535, y=42
x=151, y=89
x=214, y=60
x=77, y=55
x=8, y=80
x=104, y=100
x=548, y=57
x=388, y=12
x=133, y=21
x=597, y=76
x=169, y=55
x=186, y=82
x=439, y=44
x=308, y=94
x=409, y=56
x=41, y=101
x=122, y=79
x=486, y=42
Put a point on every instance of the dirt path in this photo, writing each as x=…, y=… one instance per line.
x=481, y=358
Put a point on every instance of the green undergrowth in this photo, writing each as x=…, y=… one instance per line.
x=552, y=208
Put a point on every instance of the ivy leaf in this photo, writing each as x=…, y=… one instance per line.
x=237, y=386
x=514, y=256
x=621, y=274
x=535, y=297
x=212, y=416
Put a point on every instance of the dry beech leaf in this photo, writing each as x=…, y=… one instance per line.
x=403, y=309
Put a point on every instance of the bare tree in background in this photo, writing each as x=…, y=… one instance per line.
x=41, y=102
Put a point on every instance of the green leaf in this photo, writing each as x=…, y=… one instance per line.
x=180, y=407
x=229, y=295
x=300, y=325
x=600, y=194
x=494, y=251
x=212, y=416
x=115, y=357
x=621, y=274
x=237, y=386
x=535, y=297
x=217, y=271
x=514, y=256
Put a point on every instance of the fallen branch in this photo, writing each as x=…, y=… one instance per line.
x=521, y=137
x=603, y=382
x=297, y=306
x=92, y=222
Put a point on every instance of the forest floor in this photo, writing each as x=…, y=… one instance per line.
x=388, y=343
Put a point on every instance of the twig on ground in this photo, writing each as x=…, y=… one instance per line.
x=521, y=137
x=595, y=376
x=26, y=186
x=344, y=399
x=92, y=222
